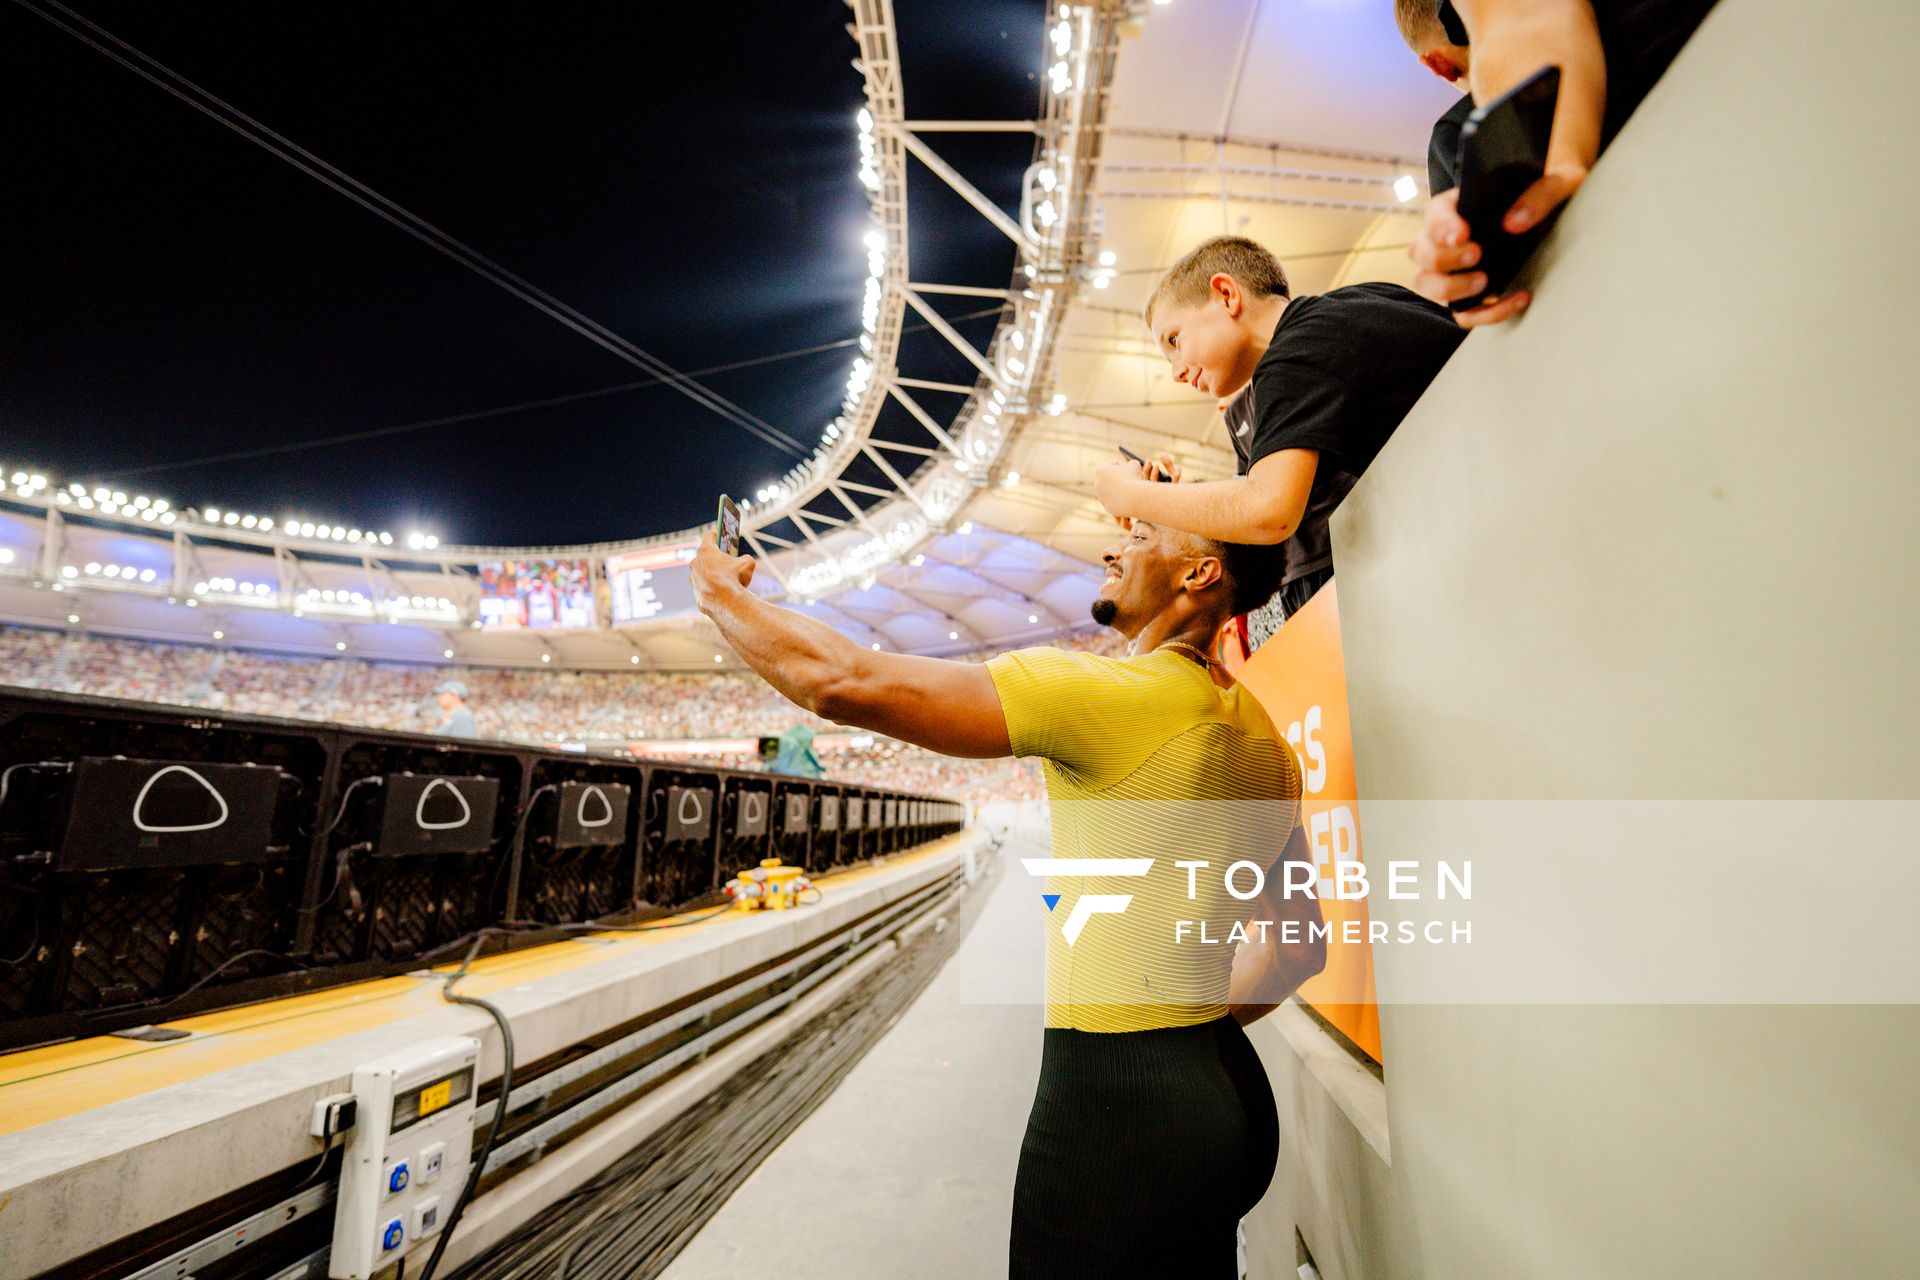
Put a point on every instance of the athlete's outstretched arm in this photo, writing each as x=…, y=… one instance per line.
x=949, y=707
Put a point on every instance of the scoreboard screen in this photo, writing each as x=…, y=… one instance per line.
x=651, y=582
x=536, y=595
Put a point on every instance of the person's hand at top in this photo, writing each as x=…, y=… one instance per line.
x=712, y=571
x=1511, y=41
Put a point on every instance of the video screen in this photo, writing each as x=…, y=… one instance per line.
x=651, y=582
x=535, y=595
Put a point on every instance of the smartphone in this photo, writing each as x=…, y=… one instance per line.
x=729, y=535
x=1503, y=151
x=1154, y=467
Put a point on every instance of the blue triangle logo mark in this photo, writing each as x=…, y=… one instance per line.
x=1051, y=899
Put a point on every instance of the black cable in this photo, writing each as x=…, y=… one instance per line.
x=231, y=117
x=376, y=780
x=548, y=402
x=499, y=1112
x=341, y=875
x=326, y=1149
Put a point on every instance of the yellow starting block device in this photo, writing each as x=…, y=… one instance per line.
x=768, y=886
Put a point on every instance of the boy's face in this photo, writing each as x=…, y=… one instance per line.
x=1208, y=345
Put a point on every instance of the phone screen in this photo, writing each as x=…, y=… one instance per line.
x=729, y=526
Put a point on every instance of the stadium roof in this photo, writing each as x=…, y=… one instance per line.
x=1296, y=122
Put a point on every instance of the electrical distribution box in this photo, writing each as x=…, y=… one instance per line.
x=407, y=1156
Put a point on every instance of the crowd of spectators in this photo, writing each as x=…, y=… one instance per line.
x=531, y=706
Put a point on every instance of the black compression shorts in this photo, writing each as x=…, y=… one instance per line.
x=1143, y=1151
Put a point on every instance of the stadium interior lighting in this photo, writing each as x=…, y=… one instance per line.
x=219, y=635
x=6, y=555
x=341, y=645
x=192, y=603
x=446, y=653
x=634, y=659
x=73, y=617
x=953, y=635
x=1405, y=187
x=1033, y=617
x=718, y=658
x=546, y=657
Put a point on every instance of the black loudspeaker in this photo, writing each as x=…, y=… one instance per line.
x=427, y=813
x=591, y=813
x=853, y=813
x=165, y=813
x=794, y=819
x=829, y=813
x=689, y=813
x=751, y=820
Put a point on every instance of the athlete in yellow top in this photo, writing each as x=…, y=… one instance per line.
x=1153, y=1127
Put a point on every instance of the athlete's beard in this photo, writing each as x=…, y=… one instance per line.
x=1104, y=611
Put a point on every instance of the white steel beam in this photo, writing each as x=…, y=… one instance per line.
x=965, y=190
x=925, y=419
x=940, y=326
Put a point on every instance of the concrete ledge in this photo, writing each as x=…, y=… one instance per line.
x=1360, y=1095
x=87, y=1179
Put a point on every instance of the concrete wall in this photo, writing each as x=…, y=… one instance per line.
x=1656, y=542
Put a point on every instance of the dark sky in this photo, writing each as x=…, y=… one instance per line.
x=685, y=175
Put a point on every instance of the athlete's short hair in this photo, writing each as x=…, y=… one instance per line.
x=1248, y=262
x=1419, y=24
x=1251, y=571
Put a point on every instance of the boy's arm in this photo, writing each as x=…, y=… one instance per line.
x=949, y=707
x=1263, y=507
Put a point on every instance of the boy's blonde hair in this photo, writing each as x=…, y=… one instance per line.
x=1187, y=280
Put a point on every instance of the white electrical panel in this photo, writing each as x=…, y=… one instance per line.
x=407, y=1155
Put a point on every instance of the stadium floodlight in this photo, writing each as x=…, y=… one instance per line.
x=166, y=517
x=230, y=518
x=110, y=571
x=966, y=528
x=211, y=515
x=161, y=505
x=63, y=498
x=266, y=524
x=77, y=489
x=93, y=567
x=340, y=645
x=1405, y=187
x=192, y=603
x=68, y=571
x=6, y=555
x=120, y=497
x=432, y=542
x=249, y=522
x=147, y=575
x=386, y=539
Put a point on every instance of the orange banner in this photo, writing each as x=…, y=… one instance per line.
x=1301, y=681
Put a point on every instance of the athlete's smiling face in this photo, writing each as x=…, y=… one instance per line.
x=1146, y=570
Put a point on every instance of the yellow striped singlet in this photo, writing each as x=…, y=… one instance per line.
x=1147, y=758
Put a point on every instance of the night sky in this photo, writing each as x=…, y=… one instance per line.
x=685, y=175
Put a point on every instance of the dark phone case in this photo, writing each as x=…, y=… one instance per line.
x=1158, y=474
x=1503, y=151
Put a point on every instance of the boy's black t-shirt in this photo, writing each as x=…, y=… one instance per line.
x=1341, y=372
